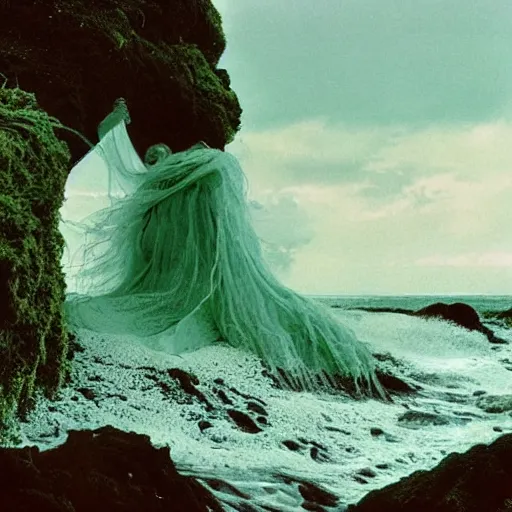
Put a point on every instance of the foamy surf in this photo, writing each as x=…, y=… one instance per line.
x=343, y=446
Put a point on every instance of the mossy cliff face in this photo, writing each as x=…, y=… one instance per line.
x=78, y=56
x=33, y=168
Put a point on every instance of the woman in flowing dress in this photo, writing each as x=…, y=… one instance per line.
x=175, y=257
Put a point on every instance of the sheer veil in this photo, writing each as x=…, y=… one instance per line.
x=174, y=259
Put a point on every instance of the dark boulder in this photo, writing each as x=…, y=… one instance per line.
x=103, y=469
x=506, y=316
x=479, y=480
x=460, y=314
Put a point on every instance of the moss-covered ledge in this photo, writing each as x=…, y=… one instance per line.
x=34, y=165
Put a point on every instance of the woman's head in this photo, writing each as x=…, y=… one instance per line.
x=156, y=153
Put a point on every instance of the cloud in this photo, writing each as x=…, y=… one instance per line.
x=312, y=151
x=384, y=159
x=283, y=228
x=452, y=200
x=490, y=259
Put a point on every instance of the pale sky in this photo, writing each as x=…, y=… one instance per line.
x=377, y=136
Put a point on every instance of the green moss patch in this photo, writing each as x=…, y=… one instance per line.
x=33, y=339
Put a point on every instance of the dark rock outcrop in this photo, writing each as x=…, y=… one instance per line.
x=479, y=480
x=506, y=316
x=78, y=56
x=460, y=314
x=103, y=469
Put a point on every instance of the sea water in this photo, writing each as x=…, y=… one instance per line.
x=346, y=446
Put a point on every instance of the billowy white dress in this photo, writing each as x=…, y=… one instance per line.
x=175, y=258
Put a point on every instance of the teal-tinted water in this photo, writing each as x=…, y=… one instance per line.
x=481, y=303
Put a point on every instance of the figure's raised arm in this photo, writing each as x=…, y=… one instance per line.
x=119, y=113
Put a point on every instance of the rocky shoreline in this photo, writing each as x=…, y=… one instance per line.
x=108, y=469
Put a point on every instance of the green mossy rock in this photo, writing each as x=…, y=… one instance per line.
x=34, y=165
x=78, y=56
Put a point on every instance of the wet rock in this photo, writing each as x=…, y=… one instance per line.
x=88, y=393
x=315, y=494
x=392, y=383
x=400, y=311
x=378, y=432
x=311, y=507
x=158, y=378
x=243, y=422
x=226, y=488
x=418, y=419
x=460, y=314
x=475, y=481
x=337, y=429
x=257, y=408
x=506, y=316
x=203, y=425
x=247, y=397
x=319, y=455
x=368, y=472
x=103, y=469
x=317, y=444
x=124, y=398
x=188, y=383
x=495, y=403
x=479, y=392
x=292, y=445
x=224, y=398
